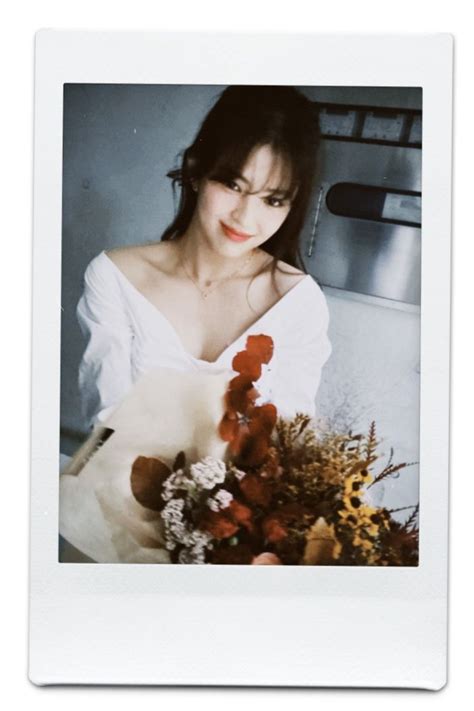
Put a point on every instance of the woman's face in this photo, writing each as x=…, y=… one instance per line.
x=238, y=215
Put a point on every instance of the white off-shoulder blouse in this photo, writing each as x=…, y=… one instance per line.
x=127, y=335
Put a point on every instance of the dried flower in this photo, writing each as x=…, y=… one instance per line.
x=208, y=472
x=322, y=546
x=246, y=426
x=220, y=500
x=289, y=494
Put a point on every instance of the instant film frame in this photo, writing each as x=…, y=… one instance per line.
x=286, y=624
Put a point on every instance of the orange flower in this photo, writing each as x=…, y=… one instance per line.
x=218, y=524
x=273, y=529
x=260, y=422
x=240, y=514
x=246, y=426
x=224, y=523
x=241, y=393
x=275, y=525
x=256, y=490
x=258, y=350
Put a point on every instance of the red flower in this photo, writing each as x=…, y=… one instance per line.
x=246, y=426
x=273, y=529
x=224, y=523
x=218, y=524
x=275, y=525
x=249, y=433
x=256, y=490
x=241, y=393
x=260, y=347
x=258, y=350
x=261, y=421
x=241, y=514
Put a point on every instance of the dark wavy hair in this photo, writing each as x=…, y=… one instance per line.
x=242, y=119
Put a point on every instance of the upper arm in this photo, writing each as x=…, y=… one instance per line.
x=303, y=352
x=105, y=367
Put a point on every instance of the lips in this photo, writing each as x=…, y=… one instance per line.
x=235, y=235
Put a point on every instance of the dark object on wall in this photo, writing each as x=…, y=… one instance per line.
x=363, y=233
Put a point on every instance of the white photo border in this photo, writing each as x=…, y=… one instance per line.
x=241, y=625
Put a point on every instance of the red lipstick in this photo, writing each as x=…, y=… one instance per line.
x=235, y=235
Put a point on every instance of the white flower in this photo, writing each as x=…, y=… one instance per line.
x=208, y=472
x=196, y=544
x=220, y=500
x=178, y=481
x=173, y=510
x=172, y=484
x=186, y=556
x=179, y=532
x=172, y=516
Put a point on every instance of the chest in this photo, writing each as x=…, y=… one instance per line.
x=207, y=326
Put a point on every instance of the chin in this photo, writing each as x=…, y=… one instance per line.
x=227, y=248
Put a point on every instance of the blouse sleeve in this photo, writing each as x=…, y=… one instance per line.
x=302, y=355
x=105, y=368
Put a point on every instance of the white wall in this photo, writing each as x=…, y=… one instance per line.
x=373, y=374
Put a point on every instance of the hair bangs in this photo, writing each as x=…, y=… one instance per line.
x=282, y=179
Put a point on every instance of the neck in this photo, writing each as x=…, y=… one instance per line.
x=203, y=263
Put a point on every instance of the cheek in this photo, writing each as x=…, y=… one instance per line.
x=274, y=220
x=215, y=201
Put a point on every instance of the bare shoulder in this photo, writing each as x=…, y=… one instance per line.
x=135, y=261
x=287, y=276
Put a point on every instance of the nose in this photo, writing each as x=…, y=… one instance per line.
x=244, y=214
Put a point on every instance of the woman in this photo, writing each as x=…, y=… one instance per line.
x=227, y=267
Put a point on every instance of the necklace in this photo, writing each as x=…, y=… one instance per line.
x=205, y=292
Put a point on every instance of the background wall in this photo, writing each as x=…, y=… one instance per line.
x=373, y=374
x=119, y=143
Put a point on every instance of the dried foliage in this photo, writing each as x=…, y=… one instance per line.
x=288, y=494
x=147, y=479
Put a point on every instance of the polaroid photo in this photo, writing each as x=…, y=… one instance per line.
x=240, y=407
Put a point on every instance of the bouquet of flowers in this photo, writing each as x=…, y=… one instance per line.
x=284, y=494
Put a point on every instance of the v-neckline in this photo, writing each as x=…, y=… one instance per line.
x=177, y=337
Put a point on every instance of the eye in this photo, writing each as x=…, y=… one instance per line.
x=232, y=185
x=275, y=201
